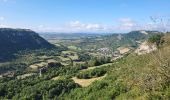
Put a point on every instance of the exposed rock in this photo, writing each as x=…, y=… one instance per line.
x=144, y=32
x=145, y=48
x=123, y=50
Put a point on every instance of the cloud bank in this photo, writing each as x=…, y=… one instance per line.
x=122, y=25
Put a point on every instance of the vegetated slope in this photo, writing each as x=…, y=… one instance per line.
x=135, y=77
x=114, y=41
x=140, y=35
x=14, y=40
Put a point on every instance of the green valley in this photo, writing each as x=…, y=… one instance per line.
x=97, y=70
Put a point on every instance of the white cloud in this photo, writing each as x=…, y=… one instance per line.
x=4, y=26
x=122, y=25
x=75, y=27
x=4, y=0
x=1, y=18
x=126, y=24
x=88, y=26
x=76, y=24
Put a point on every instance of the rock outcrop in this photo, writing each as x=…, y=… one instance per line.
x=145, y=47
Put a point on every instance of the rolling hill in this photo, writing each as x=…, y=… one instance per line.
x=114, y=41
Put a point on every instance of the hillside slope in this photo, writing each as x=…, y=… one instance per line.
x=135, y=77
x=14, y=40
x=131, y=39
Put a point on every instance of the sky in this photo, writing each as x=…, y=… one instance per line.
x=95, y=16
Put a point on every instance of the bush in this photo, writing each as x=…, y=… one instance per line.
x=46, y=89
x=54, y=64
x=91, y=73
x=84, y=57
x=156, y=39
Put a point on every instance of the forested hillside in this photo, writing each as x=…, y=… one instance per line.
x=14, y=40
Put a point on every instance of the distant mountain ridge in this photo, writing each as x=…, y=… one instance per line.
x=14, y=40
x=97, y=41
x=49, y=35
x=140, y=34
x=131, y=39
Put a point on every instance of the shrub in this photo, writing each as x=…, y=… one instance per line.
x=91, y=73
x=156, y=39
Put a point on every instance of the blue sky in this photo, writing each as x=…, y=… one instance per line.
x=85, y=15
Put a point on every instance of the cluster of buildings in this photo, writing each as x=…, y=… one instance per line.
x=119, y=53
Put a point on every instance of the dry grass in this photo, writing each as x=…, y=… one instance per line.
x=58, y=45
x=80, y=62
x=89, y=68
x=25, y=76
x=75, y=57
x=38, y=65
x=64, y=59
x=41, y=64
x=86, y=82
x=65, y=64
x=51, y=60
x=67, y=52
x=74, y=48
x=123, y=50
x=55, y=78
x=33, y=66
x=44, y=57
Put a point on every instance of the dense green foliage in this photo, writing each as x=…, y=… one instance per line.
x=46, y=90
x=156, y=39
x=103, y=90
x=138, y=35
x=35, y=89
x=84, y=57
x=101, y=60
x=91, y=73
x=14, y=40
